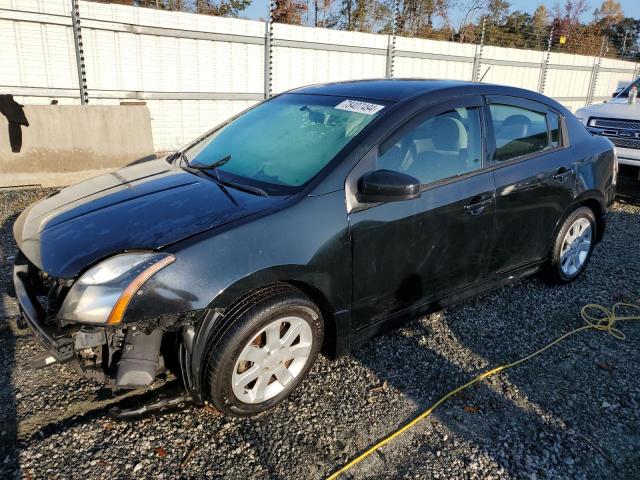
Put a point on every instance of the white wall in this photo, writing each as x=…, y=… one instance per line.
x=452, y=60
x=173, y=75
x=294, y=67
x=195, y=71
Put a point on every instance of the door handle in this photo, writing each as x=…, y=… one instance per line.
x=476, y=208
x=562, y=174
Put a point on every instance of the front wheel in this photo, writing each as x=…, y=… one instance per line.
x=573, y=247
x=265, y=354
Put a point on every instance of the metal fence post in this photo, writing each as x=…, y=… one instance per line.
x=604, y=47
x=477, y=59
x=77, y=40
x=391, y=43
x=545, y=63
x=268, y=51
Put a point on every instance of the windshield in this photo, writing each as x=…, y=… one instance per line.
x=281, y=144
x=625, y=93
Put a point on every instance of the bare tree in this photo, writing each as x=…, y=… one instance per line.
x=364, y=15
x=609, y=14
x=497, y=10
x=573, y=36
x=470, y=9
x=289, y=11
x=417, y=17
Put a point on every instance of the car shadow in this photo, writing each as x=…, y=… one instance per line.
x=546, y=397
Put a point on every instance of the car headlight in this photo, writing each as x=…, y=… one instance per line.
x=101, y=295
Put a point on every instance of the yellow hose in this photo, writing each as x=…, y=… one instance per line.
x=605, y=322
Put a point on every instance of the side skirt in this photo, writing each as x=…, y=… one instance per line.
x=396, y=319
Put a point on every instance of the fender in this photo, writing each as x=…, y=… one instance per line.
x=320, y=280
x=212, y=325
x=215, y=268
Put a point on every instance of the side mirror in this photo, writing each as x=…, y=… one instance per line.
x=387, y=186
x=617, y=92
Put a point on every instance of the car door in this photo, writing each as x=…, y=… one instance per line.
x=408, y=252
x=535, y=179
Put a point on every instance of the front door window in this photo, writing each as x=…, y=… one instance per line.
x=441, y=146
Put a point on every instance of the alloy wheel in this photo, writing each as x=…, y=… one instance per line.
x=576, y=247
x=272, y=359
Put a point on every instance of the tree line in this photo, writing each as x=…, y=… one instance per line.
x=608, y=31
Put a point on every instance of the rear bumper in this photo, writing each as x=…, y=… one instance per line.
x=59, y=347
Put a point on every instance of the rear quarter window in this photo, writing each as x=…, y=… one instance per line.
x=554, y=129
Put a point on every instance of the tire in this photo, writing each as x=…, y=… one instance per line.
x=570, y=258
x=255, y=325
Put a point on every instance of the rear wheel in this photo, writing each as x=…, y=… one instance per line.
x=573, y=247
x=265, y=354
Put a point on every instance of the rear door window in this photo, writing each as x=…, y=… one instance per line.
x=518, y=131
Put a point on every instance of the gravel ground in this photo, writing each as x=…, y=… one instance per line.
x=572, y=413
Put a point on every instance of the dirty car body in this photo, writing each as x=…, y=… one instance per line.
x=134, y=272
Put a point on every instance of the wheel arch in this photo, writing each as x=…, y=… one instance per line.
x=212, y=325
x=592, y=199
x=297, y=278
x=329, y=344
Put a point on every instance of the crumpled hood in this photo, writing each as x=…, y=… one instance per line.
x=615, y=108
x=145, y=206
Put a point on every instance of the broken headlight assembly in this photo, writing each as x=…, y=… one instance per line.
x=101, y=295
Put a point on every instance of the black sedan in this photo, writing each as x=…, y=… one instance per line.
x=310, y=222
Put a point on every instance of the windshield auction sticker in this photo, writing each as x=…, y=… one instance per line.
x=359, y=107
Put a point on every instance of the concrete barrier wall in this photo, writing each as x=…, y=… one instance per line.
x=74, y=138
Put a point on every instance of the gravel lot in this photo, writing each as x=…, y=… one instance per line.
x=573, y=413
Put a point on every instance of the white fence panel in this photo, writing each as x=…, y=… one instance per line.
x=167, y=56
x=420, y=58
x=56, y=7
x=176, y=122
x=195, y=71
x=186, y=67
x=569, y=78
x=36, y=53
x=510, y=66
x=304, y=55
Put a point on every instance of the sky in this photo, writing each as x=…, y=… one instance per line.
x=631, y=8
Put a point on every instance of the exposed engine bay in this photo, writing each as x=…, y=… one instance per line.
x=123, y=357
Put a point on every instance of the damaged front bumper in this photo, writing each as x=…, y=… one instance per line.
x=58, y=346
x=124, y=357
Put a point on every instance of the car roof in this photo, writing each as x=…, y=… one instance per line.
x=407, y=89
x=383, y=89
